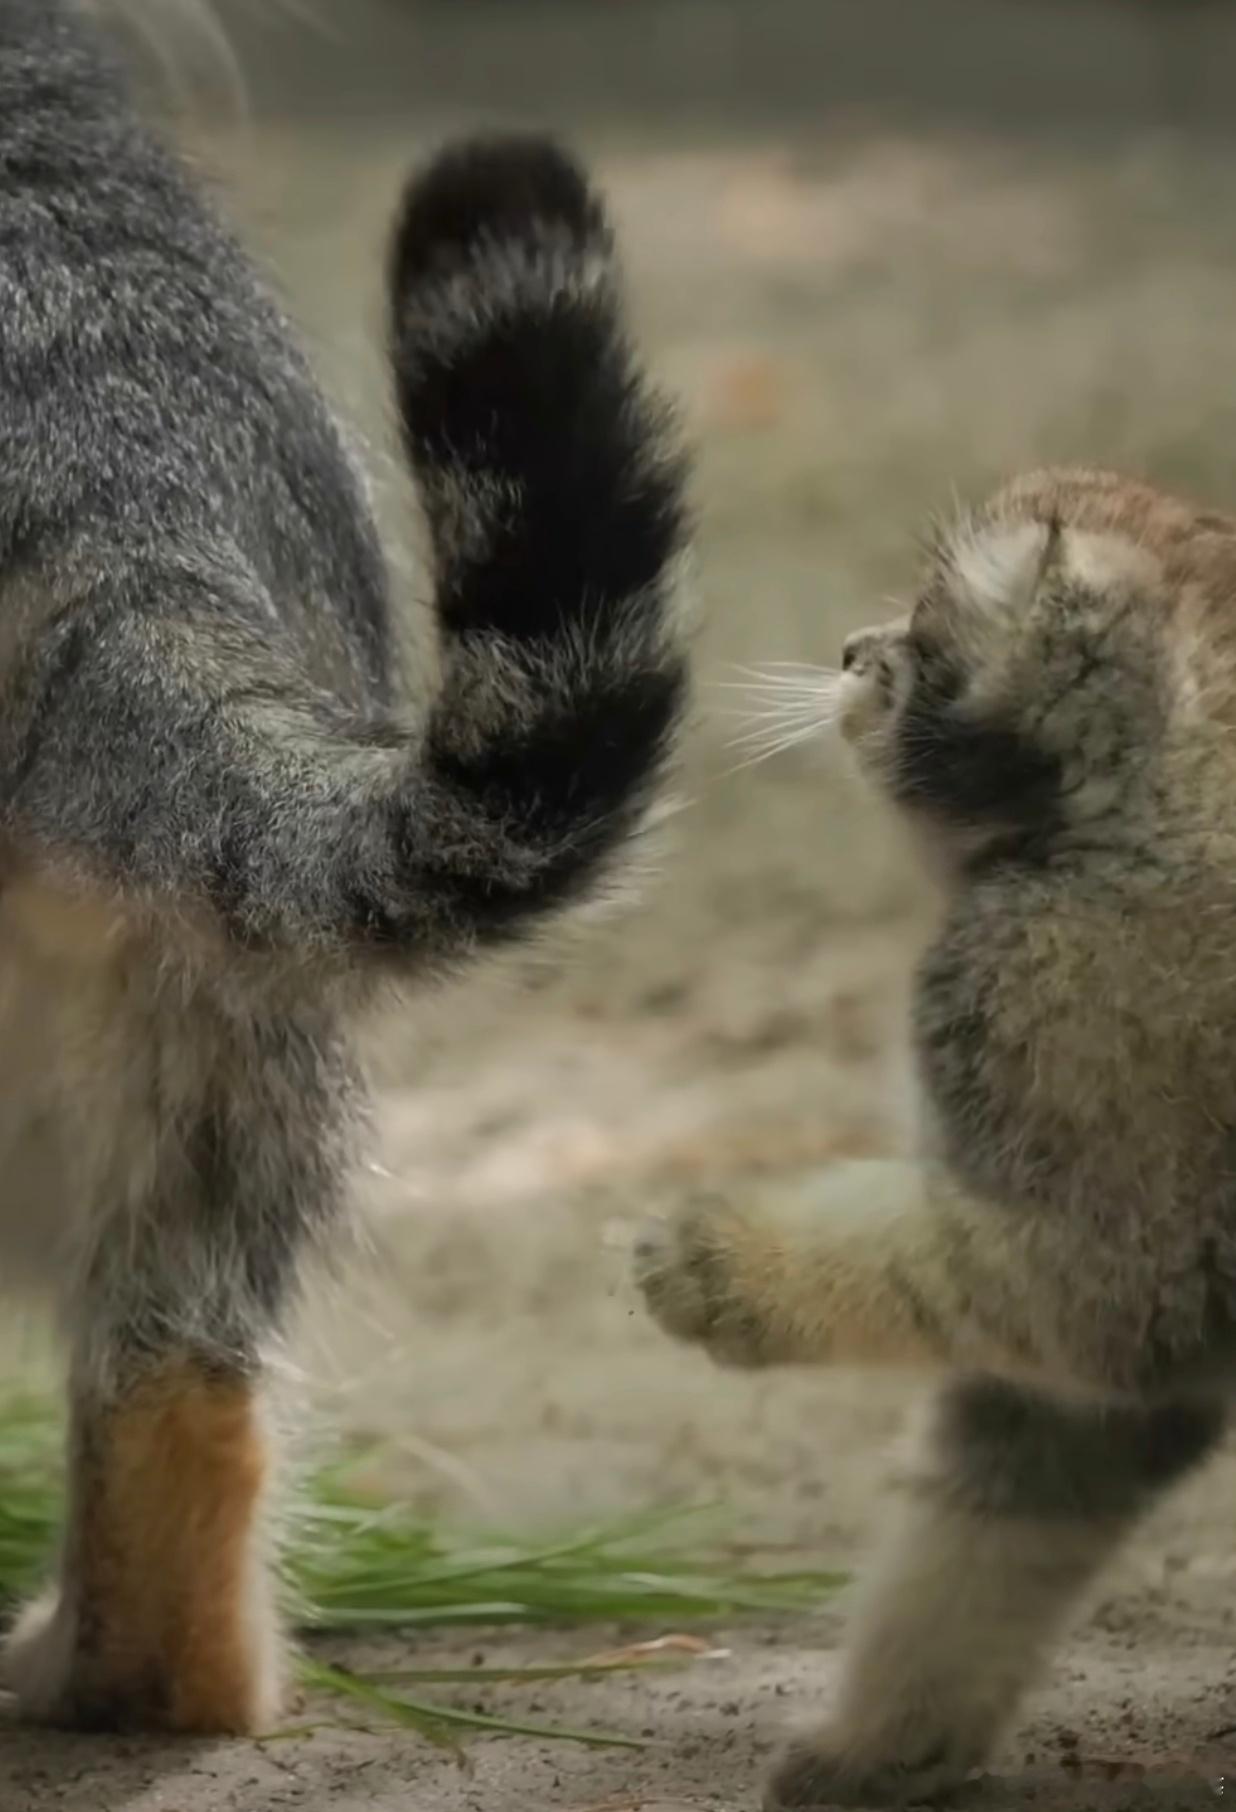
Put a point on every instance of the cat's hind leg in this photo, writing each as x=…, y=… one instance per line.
x=1014, y=1503
x=163, y=1613
x=162, y=1616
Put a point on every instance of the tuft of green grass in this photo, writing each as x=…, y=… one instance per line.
x=353, y=1563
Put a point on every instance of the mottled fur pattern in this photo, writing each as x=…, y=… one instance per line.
x=1056, y=720
x=220, y=826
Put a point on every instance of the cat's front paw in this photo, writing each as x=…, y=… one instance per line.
x=688, y=1267
x=36, y=1663
x=817, y=1774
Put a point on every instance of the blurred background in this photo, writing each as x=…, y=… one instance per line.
x=884, y=252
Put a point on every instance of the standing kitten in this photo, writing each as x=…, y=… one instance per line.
x=1056, y=720
x=218, y=832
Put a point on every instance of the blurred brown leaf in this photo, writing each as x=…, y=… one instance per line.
x=748, y=394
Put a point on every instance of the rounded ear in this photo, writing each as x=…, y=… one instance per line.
x=1104, y=561
x=999, y=566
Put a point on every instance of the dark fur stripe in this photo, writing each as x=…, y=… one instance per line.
x=575, y=786
x=553, y=490
x=513, y=371
x=489, y=191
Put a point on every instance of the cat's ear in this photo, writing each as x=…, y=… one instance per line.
x=999, y=566
x=1107, y=563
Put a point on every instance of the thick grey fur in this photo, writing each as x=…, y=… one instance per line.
x=220, y=826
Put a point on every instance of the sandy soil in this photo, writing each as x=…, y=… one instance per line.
x=857, y=319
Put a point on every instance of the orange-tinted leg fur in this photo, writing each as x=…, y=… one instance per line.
x=164, y=1617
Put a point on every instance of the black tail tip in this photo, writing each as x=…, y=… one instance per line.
x=486, y=191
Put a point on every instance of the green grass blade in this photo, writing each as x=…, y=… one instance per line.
x=351, y=1563
x=423, y=1716
x=518, y=1676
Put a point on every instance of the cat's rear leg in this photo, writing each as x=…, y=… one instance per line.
x=1014, y=1504
x=163, y=1614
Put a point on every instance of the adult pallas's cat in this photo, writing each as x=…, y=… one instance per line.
x=1056, y=721
x=219, y=830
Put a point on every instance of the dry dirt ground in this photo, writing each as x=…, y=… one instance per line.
x=859, y=313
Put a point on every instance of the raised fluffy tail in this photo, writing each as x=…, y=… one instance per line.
x=553, y=492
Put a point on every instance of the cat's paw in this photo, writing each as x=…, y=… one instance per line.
x=815, y=1776
x=687, y=1265
x=60, y=1678
x=36, y=1662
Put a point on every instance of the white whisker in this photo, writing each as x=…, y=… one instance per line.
x=774, y=733
x=774, y=686
x=772, y=702
x=799, y=714
x=770, y=729
x=796, y=667
x=820, y=710
x=791, y=702
x=804, y=710
x=788, y=673
x=774, y=740
x=781, y=707
x=766, y=752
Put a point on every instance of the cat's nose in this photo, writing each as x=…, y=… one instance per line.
x=856, y=647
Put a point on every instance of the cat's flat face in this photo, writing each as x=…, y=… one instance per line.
x=1062, y=639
